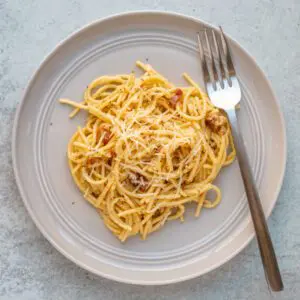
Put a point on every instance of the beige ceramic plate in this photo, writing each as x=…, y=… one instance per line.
x=42, y=130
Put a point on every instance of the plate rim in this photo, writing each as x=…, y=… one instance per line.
x=21, y=189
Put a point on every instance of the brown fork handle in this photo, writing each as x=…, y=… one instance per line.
x=267, y=252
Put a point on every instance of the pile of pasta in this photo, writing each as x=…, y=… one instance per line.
x=147, y=149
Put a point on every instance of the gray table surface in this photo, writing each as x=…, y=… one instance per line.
x=30, y=268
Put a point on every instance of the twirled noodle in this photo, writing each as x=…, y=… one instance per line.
x=147, y=149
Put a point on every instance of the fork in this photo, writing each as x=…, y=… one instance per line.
x=224, y=92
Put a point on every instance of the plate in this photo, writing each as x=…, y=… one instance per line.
x=42, y=130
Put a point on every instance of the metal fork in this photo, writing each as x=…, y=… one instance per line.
x=224, y=91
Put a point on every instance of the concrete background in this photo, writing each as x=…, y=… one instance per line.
x=30, y=268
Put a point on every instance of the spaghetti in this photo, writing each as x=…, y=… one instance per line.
x=147, y=149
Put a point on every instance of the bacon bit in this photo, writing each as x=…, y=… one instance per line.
x=178, y=92
x=174, y=99
x=107, y=137
x=98, y=133
x=91, y=160
x=104, y=129
x=138, y=180
x=216, y=122
x=143, y=189
x=112, y=156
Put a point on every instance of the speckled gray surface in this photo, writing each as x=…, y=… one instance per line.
x=30, y=268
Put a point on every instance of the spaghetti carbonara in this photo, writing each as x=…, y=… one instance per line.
x=147, y=149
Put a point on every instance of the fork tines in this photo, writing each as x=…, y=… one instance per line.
x=217, y=64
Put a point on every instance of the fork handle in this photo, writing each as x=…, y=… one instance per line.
x=267, y=252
